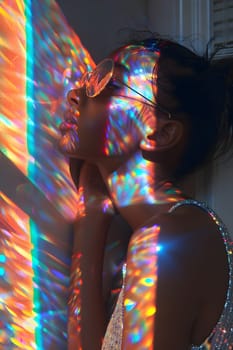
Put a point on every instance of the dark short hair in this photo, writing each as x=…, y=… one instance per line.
x=202, y=90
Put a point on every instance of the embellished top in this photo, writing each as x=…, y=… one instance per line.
x=221, y=337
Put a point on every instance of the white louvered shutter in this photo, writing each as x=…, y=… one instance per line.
x=222, y=26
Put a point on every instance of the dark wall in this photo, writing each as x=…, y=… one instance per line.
x=100, y=24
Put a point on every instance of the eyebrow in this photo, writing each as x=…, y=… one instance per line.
x=121, y=66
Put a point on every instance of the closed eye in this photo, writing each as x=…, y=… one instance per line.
x=114, y=84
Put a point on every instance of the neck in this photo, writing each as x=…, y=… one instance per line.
x=139, y=191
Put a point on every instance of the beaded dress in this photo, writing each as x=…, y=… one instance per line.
x=221, y=338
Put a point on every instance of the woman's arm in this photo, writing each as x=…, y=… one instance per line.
x=159, y=295
x=87, y=321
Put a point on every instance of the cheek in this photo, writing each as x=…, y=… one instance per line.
x=149, y=122
x=92, y=133
x=122, y=129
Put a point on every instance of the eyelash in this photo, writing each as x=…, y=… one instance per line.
x=114, y=84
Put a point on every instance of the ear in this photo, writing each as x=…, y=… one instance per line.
x=167, y=135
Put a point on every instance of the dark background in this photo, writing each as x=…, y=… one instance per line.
x=103, y=25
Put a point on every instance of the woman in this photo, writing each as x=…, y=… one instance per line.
x=144, y=118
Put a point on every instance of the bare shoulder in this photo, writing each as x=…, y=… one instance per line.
x=186, y=229
x=193, y=247
x=192, y=276
x=192, y=232
x=189, y=235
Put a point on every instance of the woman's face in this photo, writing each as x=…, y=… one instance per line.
x=116, y=121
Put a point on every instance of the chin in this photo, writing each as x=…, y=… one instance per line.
x=69, y=143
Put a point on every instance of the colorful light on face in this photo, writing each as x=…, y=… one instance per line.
x=135, y=67
x=41, y=59
x=117, y=103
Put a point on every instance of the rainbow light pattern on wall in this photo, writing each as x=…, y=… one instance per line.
x=41, y=58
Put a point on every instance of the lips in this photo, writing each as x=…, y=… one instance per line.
x=70, y=122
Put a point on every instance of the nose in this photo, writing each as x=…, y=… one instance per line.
x=73, y=98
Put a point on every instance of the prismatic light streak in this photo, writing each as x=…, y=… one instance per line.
x=33, y=85
x=16, y=305
x=140, y=289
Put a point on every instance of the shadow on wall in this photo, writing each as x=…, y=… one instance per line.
x=101, y=24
